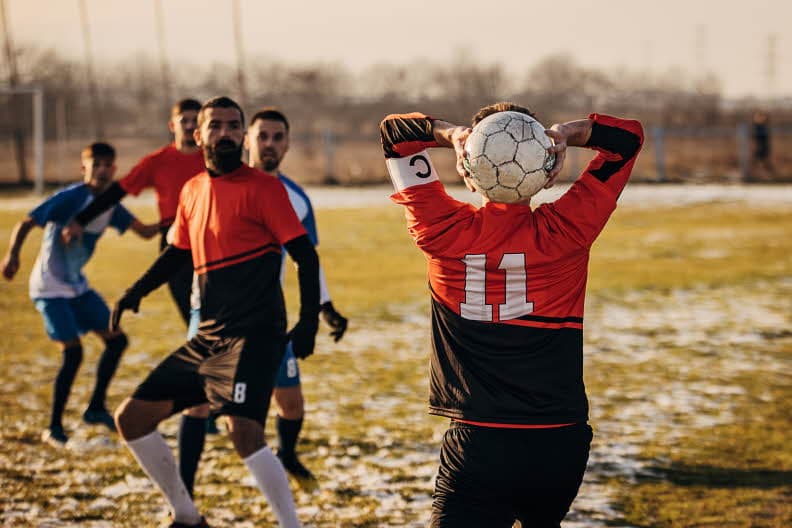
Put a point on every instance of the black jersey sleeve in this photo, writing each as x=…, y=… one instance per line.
x=101, y=203
x=302, y=250
x=405, y=134
x=170, y=261
x=618, y=141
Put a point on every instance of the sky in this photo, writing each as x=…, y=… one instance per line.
x=727, y=38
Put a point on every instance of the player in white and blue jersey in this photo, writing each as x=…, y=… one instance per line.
x=267, y=142
x=61, y=292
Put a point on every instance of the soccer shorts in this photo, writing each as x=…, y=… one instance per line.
x=67, y=318
x=289, y=371
x=492, y=477
x=234, y=374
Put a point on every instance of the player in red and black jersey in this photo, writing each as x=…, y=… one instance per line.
x=165, y=170
x=508, y=287
x=231, y=222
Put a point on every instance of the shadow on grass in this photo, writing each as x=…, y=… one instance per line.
x=720, y=477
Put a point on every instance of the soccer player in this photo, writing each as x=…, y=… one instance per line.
x=166, y=170
x=61, y=292
x=507, y=288
x=232, y=220
x=267, y=141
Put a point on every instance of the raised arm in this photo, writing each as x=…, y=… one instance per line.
x=583, y=210
x=10, y=263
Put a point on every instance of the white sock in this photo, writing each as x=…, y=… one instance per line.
x=271, y=479
x=156, y=459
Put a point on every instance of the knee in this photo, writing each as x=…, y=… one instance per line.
x=133, y=422
x=247, y=435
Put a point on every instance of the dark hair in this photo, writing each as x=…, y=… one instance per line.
x=184, y=105
x=99, y=150
x=504, y=106
x=220, y=102
x=270, y=113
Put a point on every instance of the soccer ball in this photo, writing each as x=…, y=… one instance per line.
x=507, y=158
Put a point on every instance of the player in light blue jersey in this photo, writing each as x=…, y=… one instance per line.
x=61, y=292
x=267, y=141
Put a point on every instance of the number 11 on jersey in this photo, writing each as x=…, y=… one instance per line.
x=475, y=306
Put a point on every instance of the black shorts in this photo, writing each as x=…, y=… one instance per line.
x=234, y=374
x=492, y=477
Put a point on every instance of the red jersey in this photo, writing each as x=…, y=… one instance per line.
x=507, y=282
x=235, y=224
x=166, y=170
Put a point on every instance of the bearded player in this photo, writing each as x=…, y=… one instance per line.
x=508, y=285
x=267, y=141
x=232, y=221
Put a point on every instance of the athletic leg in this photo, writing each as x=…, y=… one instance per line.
x=471, y=482
x=239, y=382
x=61, y=326
x=137, y=422
x=192, y=437
x=290, y=408
x=247, y=436
x=172, y=386
x=92, y=315
x=115, y=344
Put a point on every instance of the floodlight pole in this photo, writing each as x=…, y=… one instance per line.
x=96, y=105
x=240, y=53
x=13, y=80
x=163, y=56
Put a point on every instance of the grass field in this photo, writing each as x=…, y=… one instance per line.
x=688, y=347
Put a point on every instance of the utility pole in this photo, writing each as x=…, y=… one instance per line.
x=96, y=104
x=16, y=107
x=771, y=62
x=163, y=56
x=240, y=53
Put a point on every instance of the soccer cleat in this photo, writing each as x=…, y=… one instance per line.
x=99, y=416
x=304, y=478
x=54, y=436
x=201, y=524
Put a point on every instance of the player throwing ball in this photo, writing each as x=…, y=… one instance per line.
x=232, y=221
x=508, y=287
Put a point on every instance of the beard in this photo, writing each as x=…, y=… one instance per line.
x=270, y=164
x=224, y=156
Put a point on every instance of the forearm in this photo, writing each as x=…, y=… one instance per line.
x=578, y=131
x=18, y=236
x=170, y=261
x=302, y=251
x=101, y=203
x=442, y=132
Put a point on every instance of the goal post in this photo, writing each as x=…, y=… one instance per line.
x=37, y=95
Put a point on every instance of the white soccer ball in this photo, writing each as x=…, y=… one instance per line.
x=507, y=156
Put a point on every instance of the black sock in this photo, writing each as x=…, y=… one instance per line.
x=108, y=363
x=288, y=431
x=192, y=434
x=72, y=357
